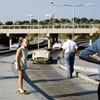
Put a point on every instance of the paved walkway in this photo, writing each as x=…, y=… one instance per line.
x=89, y=71
x=9, y=82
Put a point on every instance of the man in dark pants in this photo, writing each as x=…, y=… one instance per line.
x=69, y=49
x=86, y=55
x=98, y=91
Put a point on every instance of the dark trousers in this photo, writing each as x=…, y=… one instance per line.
x=69, y=57
x=98, y=92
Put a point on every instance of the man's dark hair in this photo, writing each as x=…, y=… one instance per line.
x=69, y=36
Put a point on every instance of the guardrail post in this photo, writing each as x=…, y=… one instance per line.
x=49, y=42
x=90, y=41
x=10, y=41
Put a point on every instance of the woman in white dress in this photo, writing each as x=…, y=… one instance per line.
x=21, y=64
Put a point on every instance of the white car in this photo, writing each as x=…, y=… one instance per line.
x=41, y=56
x=15, y=46
x=57, y=46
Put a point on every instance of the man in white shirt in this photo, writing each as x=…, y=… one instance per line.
x=69, y=49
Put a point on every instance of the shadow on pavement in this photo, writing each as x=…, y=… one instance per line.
x=93, y=75
x=53, y=61
x=75, y=94
x=27, y=79
x=51, y=80
x=8, y=77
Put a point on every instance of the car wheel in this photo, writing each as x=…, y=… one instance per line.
x=50, y=60
x=32, y=61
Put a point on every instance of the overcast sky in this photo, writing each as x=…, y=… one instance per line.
x=14, y=10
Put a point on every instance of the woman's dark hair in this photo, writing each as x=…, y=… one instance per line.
x=69, y=36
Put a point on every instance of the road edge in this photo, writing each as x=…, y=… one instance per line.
x=81, y=76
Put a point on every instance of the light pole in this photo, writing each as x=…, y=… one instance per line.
x=53, y=20
x=29, y=15
x=73, y=6
x=52, y=15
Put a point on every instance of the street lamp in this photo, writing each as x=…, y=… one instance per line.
x=62, y=5
x=29, y=15
x=52, y=15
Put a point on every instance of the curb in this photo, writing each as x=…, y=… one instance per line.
x=85, y=69
x=81, y=76
x=4, y=49
x=7, y=52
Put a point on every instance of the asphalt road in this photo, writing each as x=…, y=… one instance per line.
x=53, y=83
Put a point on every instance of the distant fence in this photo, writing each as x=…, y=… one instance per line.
x=49, y=26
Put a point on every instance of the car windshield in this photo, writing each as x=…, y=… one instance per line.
x=16, y=44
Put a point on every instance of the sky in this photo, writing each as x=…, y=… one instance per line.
x=15, y=10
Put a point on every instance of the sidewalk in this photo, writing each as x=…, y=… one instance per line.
x=85, y=70
x=9, y=82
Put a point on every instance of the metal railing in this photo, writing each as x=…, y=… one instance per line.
x=56, y=26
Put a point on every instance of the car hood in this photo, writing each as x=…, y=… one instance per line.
x=57, y=45
x=42, y=53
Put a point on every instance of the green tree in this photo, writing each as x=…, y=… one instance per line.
x=46, y=21
x=84, y=20
x=56, y=20
x=90, y=21
x=9, y=23
x=77, y=20
x=34, y=21
x=41, y=22
x=63, y=21
x=1, y=23
x=68, y=21
x=19, y=23
x=51, y=21
x=96, y=21
x=26, y=22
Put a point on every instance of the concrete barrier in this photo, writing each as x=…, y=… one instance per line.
x=82, y=76
x=14, y=51
x=4, y=49
x=7, y=52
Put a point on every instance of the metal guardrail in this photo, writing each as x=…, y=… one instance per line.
x=31, y=47
x=49, y=26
